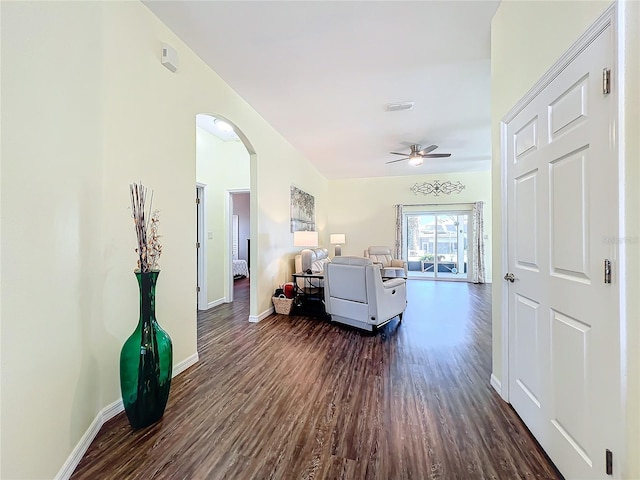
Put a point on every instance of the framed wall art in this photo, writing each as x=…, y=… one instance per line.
x=303, y=210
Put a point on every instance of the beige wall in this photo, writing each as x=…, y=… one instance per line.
x=521, y=53
x=221, y=166
x=53, y=253
x=362, y=208
x=87, y=108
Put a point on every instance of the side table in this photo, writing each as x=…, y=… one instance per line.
x=309, y=299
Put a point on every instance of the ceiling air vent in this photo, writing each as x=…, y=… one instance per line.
x=394, y=107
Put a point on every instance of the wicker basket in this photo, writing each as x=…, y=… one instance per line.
x=283, y=305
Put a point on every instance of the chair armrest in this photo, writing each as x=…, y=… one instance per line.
x=393, y=282
x=400, y=264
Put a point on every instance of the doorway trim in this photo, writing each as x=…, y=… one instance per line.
x=229, y=257
x=609, y=18
x=605, y=20
x=201, y=253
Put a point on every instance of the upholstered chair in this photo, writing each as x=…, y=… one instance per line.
x=355, y=293
x=391, y=267
x=316, y=258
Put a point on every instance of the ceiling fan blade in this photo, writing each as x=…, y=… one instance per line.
x=436, y=155
x=428, y=149
x=396, y=153
x=399, y=160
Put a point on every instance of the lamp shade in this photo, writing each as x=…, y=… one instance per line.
x=305, y=239
x=338, y=238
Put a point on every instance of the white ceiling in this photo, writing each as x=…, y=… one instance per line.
x=322, y=72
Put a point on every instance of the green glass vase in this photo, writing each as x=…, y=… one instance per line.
x=146, y=361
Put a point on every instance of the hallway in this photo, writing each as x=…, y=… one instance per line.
x=296, y=397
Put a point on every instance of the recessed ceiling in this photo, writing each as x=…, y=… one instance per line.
x=323, y=72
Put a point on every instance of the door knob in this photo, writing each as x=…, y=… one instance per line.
x=511, y=277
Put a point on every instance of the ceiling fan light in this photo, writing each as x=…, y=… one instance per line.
x=415, y=161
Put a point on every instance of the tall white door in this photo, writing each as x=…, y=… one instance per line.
x=562, y=213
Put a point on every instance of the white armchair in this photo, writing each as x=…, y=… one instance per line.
x=391, y=267
x=316, y=258
x=356, y=295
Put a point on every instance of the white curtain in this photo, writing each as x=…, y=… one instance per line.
x=478, y=268
x=398, y=247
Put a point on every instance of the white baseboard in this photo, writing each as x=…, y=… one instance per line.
x=186, y=363
x=496, y=384
x=262, y=316
x=103, y=416
x=215, y=303
x=111, y=411
x=72, y=462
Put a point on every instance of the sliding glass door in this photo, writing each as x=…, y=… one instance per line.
x=437, y=244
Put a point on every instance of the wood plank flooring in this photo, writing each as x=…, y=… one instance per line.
x=300, y=398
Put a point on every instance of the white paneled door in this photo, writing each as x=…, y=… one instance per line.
x=562, y=217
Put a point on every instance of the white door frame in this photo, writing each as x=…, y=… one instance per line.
x=606, y=19
x=609, y=18
x=203, y=304
x=228, y=257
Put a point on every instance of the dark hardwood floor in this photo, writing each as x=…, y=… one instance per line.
x=300, y=398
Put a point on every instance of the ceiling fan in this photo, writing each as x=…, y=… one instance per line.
x=417, y=156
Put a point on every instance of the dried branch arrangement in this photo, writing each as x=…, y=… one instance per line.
x=149, y=247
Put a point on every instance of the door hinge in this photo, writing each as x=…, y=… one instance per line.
x=606, y=81
x=198, y=289
x=197, y=244
x=197, y=201
x=609, y=461
x=607, y=270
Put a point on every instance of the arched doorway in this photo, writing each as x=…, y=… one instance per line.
x=223, y=167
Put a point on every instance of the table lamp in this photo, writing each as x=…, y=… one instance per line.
x=305, y=238
x=337, y=239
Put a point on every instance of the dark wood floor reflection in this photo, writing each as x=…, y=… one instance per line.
x=300, y=398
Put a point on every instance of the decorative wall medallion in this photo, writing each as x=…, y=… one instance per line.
x=437, y=187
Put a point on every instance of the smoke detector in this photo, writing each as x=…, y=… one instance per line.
x=395, y=107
